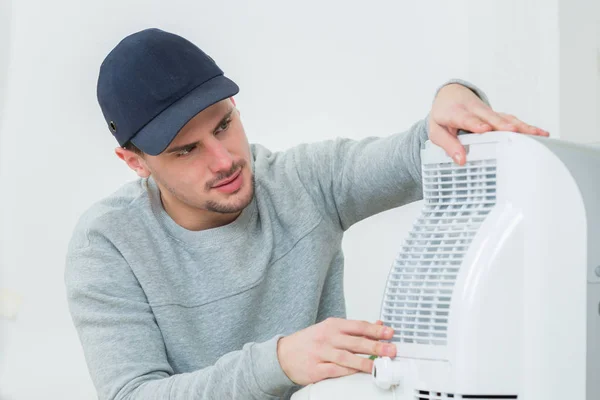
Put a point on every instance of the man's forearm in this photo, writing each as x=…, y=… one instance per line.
x=251, y=373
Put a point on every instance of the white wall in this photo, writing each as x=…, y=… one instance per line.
x=308, y=71
x=5, y=13
x=539, y=59
x=513, y=54
x=579, y=69
x=5, y=18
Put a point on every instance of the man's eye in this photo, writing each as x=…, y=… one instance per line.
x=223, y=126
x=186, y=151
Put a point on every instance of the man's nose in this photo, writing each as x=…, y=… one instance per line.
x=219, y=157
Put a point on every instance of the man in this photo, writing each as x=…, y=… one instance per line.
x=219, y=273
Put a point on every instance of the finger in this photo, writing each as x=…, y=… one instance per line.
x=346, y=359
x=537, y=131
x=332, y=370
x=367, y=329
x=542, y=132
x=496, y=120
x=361, y=345
x=523, y=127
x=450, y=143
x=519, y=125
x=378, y=322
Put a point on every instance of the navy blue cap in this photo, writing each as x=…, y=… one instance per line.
x=152, y=83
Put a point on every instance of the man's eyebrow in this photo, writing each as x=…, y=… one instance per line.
x=185, y=146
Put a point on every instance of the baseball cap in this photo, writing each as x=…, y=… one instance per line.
x=152, y=83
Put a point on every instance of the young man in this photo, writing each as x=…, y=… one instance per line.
x=219, y=273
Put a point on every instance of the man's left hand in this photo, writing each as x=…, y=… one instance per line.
x=456, y=108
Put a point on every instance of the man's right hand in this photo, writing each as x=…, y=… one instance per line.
x=329, y=349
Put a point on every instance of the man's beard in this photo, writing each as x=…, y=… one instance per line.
x=225, y=207
x=233, y=207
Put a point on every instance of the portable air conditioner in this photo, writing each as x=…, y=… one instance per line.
x=495, y=293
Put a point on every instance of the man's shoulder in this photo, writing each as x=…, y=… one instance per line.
x=281, y=163
x=272, y=167
x=110, y=212
x=279, y=185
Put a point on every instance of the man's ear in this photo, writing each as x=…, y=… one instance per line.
x=232, y=100
x=134, y=161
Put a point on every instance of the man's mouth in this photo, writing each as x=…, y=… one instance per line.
x=228, y=180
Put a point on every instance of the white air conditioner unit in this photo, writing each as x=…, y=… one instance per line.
x=495, y=293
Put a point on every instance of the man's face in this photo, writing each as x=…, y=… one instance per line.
x=208, y=164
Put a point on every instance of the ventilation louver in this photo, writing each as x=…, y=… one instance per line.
x=419, y=288
x=427, y=395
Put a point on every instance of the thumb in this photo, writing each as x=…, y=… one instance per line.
x=449, y=142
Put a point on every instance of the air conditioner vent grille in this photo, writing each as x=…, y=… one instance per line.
x=428, y=395
x=420, y=285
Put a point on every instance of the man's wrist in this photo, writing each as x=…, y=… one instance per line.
x=478, y=92
x=281, y=356
x=269, y=375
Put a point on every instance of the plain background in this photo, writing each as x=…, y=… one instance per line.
x=308, y=71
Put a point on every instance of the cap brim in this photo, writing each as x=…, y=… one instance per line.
x=156, y=136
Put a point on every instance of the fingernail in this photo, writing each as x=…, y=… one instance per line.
x=388, y=350
x=387, y=331
x=457, y=158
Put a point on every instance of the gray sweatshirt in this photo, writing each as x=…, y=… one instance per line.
x=167, y=313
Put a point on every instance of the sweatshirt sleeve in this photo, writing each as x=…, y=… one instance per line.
x=123, y=345
x=350, y=180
